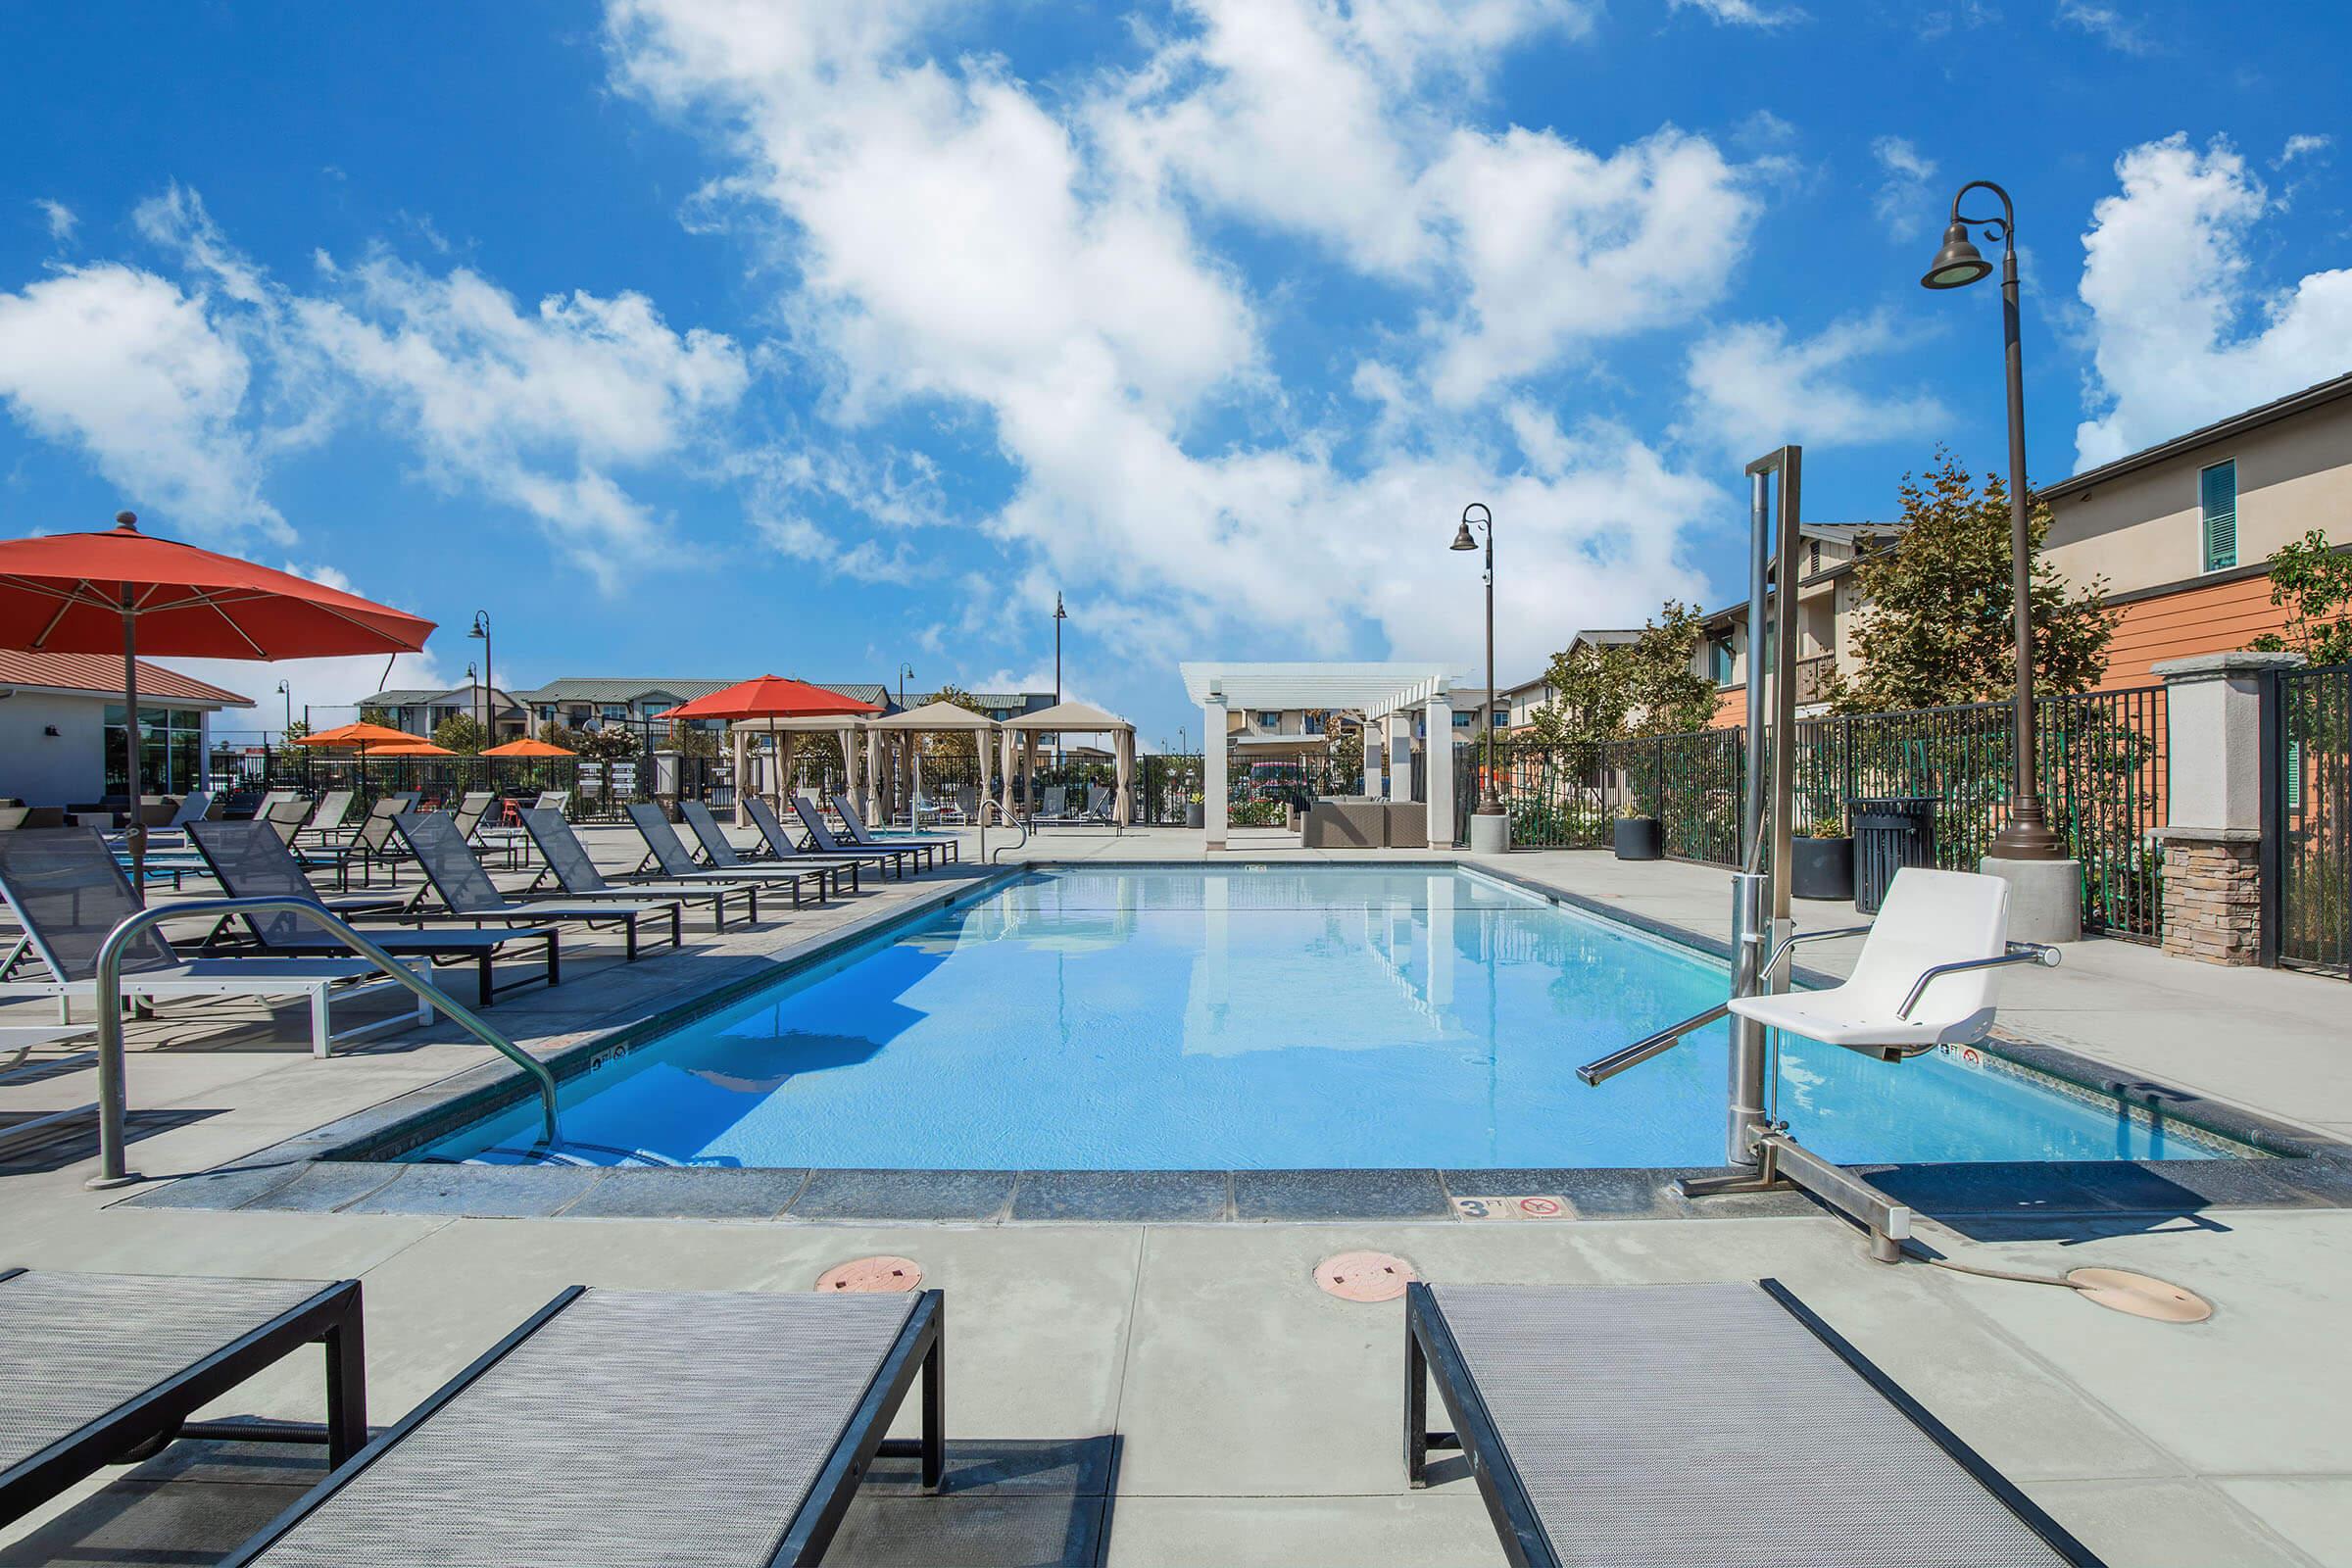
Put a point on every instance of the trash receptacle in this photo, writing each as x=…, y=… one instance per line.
x=1890, y=832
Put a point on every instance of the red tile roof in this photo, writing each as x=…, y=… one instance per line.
x=102, y=674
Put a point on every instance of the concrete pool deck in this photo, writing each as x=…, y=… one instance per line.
x=1174, y=1393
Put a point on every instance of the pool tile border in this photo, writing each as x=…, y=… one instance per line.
x=352, y=1165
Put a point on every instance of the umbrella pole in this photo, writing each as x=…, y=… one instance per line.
x=137, y=834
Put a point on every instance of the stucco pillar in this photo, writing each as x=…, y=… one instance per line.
x=1438, y=750
x=1398, y=728
x=1216, y=813
x=2213, y=805
x=1371, y=761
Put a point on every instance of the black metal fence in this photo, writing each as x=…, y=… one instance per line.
x=2102, y=764
x=2309, y=834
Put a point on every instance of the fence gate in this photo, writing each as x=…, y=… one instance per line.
x=2307, y=844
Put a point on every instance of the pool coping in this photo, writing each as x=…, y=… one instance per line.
x=353, y=1164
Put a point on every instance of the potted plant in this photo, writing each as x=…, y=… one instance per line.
x=1638, y=837
x=1821, y=856
x=1192, y=815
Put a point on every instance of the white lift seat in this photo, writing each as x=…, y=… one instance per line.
x=1927, y=974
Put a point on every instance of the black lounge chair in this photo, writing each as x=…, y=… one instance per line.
x=1699, y=1425
x=822, y=840
x=100, y=1366
x=720, y=852
x=374, y=842
x=467, y=891
x=249, y=863
x=866, y=837
x=637, y=1427
x=569, y=862
x=667, y=854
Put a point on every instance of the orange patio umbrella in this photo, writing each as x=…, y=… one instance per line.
x=528, y=746
x=415, y=748
x=360, y=736
x=93, y=593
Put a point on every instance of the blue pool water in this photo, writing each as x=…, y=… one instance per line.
x=1266, y=1018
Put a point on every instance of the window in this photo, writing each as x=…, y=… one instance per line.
x=170, y=751
x=2217, y=496
x=616, y=711
x=1269, y=720
x=1463, y=720
x=1719, y=660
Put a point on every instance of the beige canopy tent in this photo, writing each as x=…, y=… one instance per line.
x=1073, y=719
x=746, y=735
x=934, y=718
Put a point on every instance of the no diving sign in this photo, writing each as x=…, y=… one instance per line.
x=1534, y=1206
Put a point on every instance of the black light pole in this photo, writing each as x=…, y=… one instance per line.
x=1488, y=803
x=904, y=670
x=1060, y=616
x=2026, y=835
x=481, y=629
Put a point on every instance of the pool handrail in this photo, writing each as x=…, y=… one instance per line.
x=113, y=1168
x=992, y=804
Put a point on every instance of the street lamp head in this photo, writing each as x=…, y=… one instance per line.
x=1462, y=539
x=482, y=625
x=1959, y=264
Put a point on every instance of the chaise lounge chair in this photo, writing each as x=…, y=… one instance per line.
x=251, y=864
x=721, y=853
x=466, y=888
x=69, y=894
x=100, y=1365
x=865, y=838
x=569, y=862
x=822, y=842
x=667, y=854
x=638, y=1427
x=1699, y=1425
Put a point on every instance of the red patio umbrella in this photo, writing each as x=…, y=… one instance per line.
x=772, y=697
x=92, y=593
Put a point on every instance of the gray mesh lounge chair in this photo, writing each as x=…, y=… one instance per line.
x=822, y=842
x=575, y=871
x=376, y=844
x=667, y=854
x=865, y=838
x=69, y=894
x=466, y=890
x=249, y=863
x=1707, y=1425
x=720, y=851
x=326, y=822
x=637, y=1427
x=100, y=1365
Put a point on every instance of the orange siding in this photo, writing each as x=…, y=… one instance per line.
x=2211, y=620
x=1731, y=708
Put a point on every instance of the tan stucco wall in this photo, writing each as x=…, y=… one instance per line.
x=2144, y=528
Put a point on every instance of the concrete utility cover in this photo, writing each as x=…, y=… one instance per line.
x=1365, y=1276
x=872, y=1274
x=2140, y=1295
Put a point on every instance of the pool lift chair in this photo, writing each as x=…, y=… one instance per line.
x=1924, y=975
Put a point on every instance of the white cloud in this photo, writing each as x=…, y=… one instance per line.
x=2180, y=333
x=1562, y=248
x=1742, y=12
x=1903, y=202
x=144, y=378
x=1753, y=387
x=59, y=217
x=2107, y=23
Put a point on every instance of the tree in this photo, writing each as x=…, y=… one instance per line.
x=2312, y=580
x=607, y=745
x=288, y=761
x=953, y=749
x=1605, y=692
x=1346, y=729
x=1937, y=629
x=375, y=713
x=460, y=733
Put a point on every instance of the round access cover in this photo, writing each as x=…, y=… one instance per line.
x=872, y=1274
x=2140, y=1295
x=1365, y=1276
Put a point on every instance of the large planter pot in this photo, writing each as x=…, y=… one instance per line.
x=1821, y=869
x=1639, y=839
x=1195, y=815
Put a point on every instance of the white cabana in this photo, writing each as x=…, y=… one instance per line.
x=939, y=719
x=1075, y=718
x=745, y=734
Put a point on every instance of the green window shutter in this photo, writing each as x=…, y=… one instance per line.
x=2217, y=495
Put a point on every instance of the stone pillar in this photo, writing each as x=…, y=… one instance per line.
x=2213, y=797
x=1439, y=749
x=1216, y=814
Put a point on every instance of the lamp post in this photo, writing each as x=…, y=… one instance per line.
x=1060, y=616
x=481, y=629
x=1488, y=803
x=2026, y=835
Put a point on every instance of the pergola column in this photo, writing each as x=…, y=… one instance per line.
x=1438, y=768
x=1215, y=808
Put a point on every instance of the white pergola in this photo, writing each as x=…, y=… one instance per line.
x=1386, y=694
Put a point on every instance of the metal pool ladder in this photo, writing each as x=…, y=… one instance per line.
x=113, y=1169
x=998, y=807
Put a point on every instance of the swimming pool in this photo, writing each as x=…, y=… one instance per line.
x=1265, y=1018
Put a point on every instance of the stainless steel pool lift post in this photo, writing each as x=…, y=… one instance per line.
x=112, y=1167
x=1759, y=1148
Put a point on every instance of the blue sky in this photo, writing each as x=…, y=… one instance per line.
x=699, y=338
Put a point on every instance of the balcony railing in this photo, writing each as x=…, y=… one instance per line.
x=1813, y=679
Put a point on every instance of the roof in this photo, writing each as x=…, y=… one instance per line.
x=935, y=717
x=1311, y=685
x=460, y=696
x=1012, y=699
x=1083, y=718
x=101, y=675
x=627, y=688
x=2294, y=403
